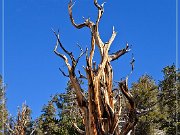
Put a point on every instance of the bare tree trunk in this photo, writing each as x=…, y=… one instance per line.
x=100, y=117
x=20, y=125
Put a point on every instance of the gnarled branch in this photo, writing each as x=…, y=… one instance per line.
x=81, y=75
x=78, y=129
x=81, y=54
x=132, y=111
x=87, y=22
x=112, y=37
x=63, y=72
x=71, y=68
x=61, y=56
x=100, y=10
x=119, y=53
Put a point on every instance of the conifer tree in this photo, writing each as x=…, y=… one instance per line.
x=47, y=122
x=59, y=114
x=145, y=93
x=170, y=100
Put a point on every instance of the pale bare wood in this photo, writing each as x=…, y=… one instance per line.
x=119, y=53
x=20, y=124
x=99, y=114
x=87, y=22
x=71, y=69
x=132, y=111
x=92, y=49
x=80, y=131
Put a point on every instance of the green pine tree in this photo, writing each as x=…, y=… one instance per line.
x=145, y=93
x=69, y=111
x=170, y=103
x=59, y=115
x=47, y=122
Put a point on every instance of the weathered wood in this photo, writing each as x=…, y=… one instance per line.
x=99, y=114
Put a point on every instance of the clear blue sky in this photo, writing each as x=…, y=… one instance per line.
x=31, y=67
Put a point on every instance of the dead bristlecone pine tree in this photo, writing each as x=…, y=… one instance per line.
x=101, y=109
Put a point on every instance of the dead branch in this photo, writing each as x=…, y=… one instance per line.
x=63, y=72
x=81, y=54
x=62, y=47
x=78, y=129
x=100, y=10
x=9, y=128
x=132, y=66
x=71, y=68
x=81, y=75
x=59, y=54
x=32, y=132
x=87, y=22
x=119, y=53
x=132, y=117
x=132, y=63
x=112, y=37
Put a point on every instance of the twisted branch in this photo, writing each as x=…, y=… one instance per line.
x=132, y=111
x=87, y=22
x=63, y=72
x=82, y=102
x=78, y=129
x=119, y=53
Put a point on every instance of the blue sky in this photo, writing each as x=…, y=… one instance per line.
x=31, y=67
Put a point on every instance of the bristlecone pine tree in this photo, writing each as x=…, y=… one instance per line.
x=22, y=124
x=99, y=114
